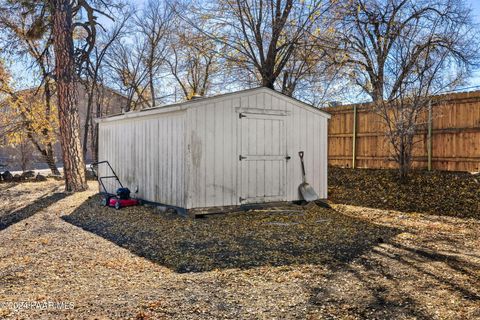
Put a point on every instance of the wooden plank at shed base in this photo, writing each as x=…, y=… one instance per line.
x=211, y=211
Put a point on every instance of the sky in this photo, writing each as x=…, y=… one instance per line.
x=23, y=78
x=475, y=4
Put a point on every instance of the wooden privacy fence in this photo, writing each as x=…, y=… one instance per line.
x=449, y=140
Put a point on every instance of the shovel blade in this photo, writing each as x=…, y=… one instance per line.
x=307, y=192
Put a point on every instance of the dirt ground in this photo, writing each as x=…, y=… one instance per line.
x=63, y=256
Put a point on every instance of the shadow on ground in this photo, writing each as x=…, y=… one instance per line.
x=276, y=237
x=6, y=186
x=396, y=280
x=9, y=218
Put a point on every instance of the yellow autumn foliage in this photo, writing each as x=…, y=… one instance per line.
x=25, y=114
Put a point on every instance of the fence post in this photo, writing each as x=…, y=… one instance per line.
x=429, y=137
x=354, y=136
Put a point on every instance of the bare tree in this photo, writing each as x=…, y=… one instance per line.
x=309, y=71
x=125, y=63
x=262, y=35
x=136, y=59
x=383, y=41
x=101, y=102
x=400, y=52
x=92, y=79
x=153, y=26
x=193, y=59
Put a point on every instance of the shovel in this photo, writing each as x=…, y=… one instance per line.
x=305, y=189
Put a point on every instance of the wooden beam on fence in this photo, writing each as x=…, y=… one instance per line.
x=354, y=136
x=475, y=129
x=429, y=137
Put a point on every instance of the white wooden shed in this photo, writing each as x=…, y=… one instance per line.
x=226, y=150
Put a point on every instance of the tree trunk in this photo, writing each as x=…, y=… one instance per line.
x=100, y=100
x=377, y=94
x=403, y=173
x=94, y=137
x=404, y=163
x=94, y=141
x=24, y=156
x=47, y=154
x=86, y=125
x=73, y=163
x=50, y=160
x=152, y=87
x=268, y=82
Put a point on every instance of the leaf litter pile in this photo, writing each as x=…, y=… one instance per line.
x=436, y=192
x=289, y=261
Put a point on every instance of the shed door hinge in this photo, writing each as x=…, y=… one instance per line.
x=240, y=157
x=241, y=115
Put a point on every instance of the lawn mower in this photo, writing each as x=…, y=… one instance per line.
x=122, y=197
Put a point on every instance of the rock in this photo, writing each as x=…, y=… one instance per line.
x=7, y=176
x=172, y=211
x=160, y=209
x=18, y=178
x=28, y=174
x=40, y=177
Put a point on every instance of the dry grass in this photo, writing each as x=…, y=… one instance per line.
x=350, y=262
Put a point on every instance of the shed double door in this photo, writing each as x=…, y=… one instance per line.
x=262, y=158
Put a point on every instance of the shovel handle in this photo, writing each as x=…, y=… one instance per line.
x=300, y=153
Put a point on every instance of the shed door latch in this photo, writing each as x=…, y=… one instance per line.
x=240, y=157
x=241, y=115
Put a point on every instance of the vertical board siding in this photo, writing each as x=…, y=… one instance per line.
x=455, y=136
x=212, y=154
x=215, y=142
x=190, y=158
x=307, y=132
x=148, y=153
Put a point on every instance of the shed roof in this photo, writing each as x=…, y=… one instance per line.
x=200, y=101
